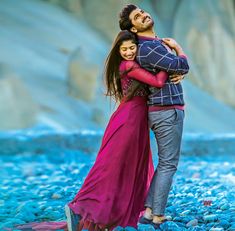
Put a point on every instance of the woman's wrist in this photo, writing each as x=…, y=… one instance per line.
x=178, y=49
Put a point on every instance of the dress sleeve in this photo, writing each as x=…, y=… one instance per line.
x=136, y=72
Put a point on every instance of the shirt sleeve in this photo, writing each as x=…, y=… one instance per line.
x=154, y=56
x=136, y=72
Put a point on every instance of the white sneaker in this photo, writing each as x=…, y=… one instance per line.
x=72, y=219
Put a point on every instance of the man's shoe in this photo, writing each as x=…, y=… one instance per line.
x=145, y=221
x=72, y=219
x=155, y=225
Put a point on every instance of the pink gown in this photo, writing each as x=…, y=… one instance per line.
x=115, y=189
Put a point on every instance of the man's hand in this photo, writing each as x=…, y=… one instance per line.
x=176, y=78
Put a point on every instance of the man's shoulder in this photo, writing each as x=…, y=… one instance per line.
x=147, y=45
x=149, y=42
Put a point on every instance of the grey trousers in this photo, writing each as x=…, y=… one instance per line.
x=167, y=126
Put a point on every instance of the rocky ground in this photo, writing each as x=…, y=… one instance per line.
x=35, y=187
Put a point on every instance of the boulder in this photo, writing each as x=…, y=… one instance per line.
x=17, y=108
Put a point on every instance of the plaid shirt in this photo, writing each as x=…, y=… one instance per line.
x=154, y=57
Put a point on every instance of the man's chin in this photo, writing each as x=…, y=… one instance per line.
x=151, y=23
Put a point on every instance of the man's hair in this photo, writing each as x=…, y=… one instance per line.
x=124, y=21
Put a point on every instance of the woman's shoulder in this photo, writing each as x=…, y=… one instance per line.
x=128, y=64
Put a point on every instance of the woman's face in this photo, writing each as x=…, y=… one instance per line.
x=128, y=50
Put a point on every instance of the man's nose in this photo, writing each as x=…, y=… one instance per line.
x=143, y=16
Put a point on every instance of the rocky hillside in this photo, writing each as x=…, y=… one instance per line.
x=205, y=28
x=52, y=55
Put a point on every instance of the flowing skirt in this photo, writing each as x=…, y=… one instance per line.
x=115, y=189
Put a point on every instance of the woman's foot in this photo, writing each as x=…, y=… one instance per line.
x=72, y=219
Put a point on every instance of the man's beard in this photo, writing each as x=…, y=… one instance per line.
x=147, y=27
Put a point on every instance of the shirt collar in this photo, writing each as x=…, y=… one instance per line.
x=147, y=38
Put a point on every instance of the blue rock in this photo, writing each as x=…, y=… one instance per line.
x=232, y=223
x=190, y=195
x=177, y=219
x=231, y=228
x=224, y=206
x=196, y=228
x=224, y=223
x=224, y=216
x=186, y=219
x=186, y=212
x=191, y=223
x=118, y=228
x=28, y=217
x=129, y=228
x=210, y=218
x=170, y=226
x=181, y=225
x=171, y=209
x=216, y=229
x=142, y=227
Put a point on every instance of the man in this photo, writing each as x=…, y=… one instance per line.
x=166, y=105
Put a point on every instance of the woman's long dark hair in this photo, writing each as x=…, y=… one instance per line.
x=111, y=70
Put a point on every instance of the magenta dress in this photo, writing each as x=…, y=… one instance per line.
x=115, y=189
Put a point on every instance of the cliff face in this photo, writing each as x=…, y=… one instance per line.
x=56, y=49
x=43, y=46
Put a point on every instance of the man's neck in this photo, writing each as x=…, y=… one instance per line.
x=148, y=33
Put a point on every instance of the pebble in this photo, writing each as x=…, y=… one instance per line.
x=196, y=228
x=209, y=218
x=224, y=223
x=56, y=196
x=224, y=206
x=216, y=229
x=142, y=227
x=193, y=222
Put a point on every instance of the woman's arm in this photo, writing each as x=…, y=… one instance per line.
x=140, y=74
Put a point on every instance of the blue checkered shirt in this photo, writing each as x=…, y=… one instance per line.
x=154, y=57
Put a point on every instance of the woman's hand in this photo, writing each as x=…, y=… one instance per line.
x=170, y=42
x=173, y=45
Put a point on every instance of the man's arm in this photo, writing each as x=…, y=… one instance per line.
x=153, y=55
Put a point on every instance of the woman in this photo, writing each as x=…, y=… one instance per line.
x=114, y=191
x=115, y=188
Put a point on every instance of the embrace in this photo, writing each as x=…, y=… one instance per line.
x=143, y=74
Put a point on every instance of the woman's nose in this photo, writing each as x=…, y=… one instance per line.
x=129, y=52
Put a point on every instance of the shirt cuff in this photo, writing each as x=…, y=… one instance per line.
x=183, y=56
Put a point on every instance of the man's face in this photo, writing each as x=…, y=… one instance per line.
x=140, y=20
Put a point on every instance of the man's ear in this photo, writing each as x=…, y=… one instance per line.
x=133, y=29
